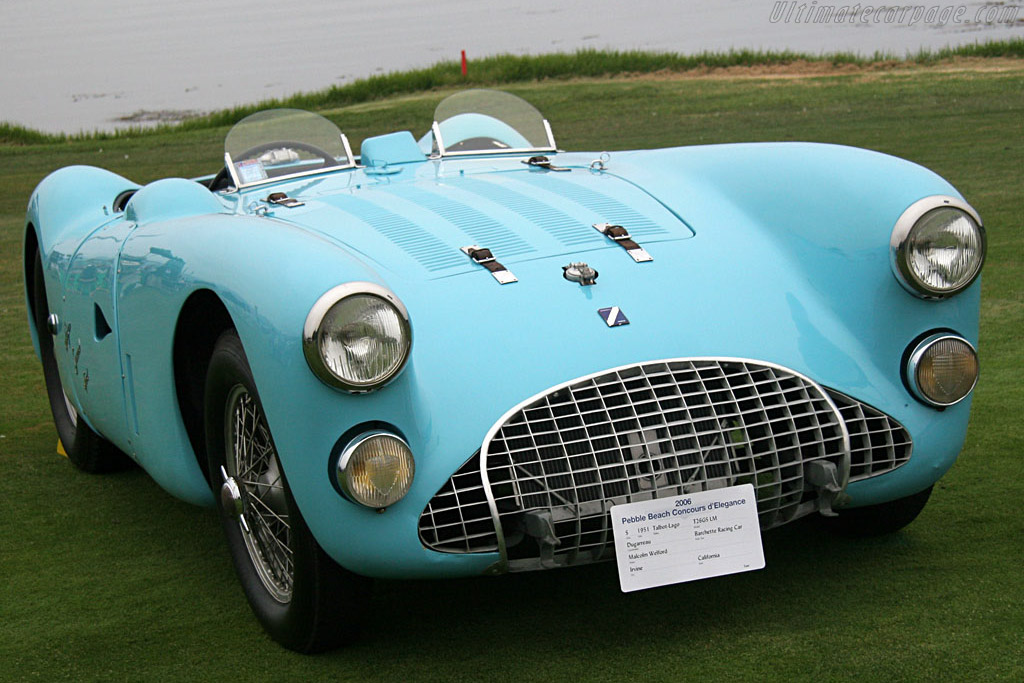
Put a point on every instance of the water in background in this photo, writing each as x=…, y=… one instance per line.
x=70, y=65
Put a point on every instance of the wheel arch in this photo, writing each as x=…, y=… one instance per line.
x=202, y=319
x=29, y=255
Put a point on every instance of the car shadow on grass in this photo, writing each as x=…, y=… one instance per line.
x=581, y=612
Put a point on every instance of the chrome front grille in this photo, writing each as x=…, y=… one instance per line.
x=458, y=518
x=556, y=464
x=878, y=443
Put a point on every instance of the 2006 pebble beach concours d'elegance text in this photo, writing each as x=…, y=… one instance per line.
x=453, y=356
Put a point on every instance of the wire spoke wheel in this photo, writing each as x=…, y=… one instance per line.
x=252, y=460
x=303, y=599
x=72, y=413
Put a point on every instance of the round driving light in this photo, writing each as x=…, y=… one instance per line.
x=376, y=469
x=357, y=337
x=362, y=340
x=938, y=247
x=942, y=370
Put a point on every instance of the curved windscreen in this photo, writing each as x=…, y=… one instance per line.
x=487, y=121
x=280, y=143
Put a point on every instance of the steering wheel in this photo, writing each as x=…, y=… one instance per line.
x=328, y=158
x=220, y=181
x=477, y=144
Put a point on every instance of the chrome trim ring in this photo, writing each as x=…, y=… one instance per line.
x=901, y=231
x=346, y=456
x=311, y=336
x=914, y=362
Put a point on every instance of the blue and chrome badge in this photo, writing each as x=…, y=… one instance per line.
x=613, y=316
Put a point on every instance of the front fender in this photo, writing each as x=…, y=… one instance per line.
x=266, y=273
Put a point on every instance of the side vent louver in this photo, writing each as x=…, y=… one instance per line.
x=102, y=326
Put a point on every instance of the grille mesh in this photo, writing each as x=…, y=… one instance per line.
x=458, y=519
x=878, y=443
x=644, y=432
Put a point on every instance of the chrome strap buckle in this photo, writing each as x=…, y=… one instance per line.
x=543, y=162
x=485, y=258
x=620, y=236
x=281, y=199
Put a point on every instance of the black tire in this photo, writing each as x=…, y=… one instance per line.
x=877, y=520
x=87, y=450
x=309, y=604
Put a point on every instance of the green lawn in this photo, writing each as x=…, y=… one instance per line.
x=106, y=578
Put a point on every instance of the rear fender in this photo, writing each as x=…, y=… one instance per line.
x=65, y=208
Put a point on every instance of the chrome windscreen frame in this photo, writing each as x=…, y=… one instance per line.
x=502, y=565
x=440, y=152
x=238, y=185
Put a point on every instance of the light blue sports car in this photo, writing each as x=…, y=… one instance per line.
x=452, y=356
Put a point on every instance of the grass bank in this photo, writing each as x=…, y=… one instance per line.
x=110, y=578
x=501, y=70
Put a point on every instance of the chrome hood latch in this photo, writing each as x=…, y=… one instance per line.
x=620, y=236
x=543, y=162
x=485, y=258
x=282, y=199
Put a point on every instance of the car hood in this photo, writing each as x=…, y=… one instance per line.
x=417, y=226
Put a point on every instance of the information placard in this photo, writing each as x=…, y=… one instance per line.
x=250, y=171
x=685, y=538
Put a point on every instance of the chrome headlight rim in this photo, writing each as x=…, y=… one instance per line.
x=311, y=333
x=899, y=241
x=913, y=365
x=340, y=463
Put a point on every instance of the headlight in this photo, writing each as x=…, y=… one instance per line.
x=357, y=337
x=942, y=369
x=376, y=469
x=938, y=247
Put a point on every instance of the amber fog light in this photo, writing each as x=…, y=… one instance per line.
x=942, y=370
x=376, y=469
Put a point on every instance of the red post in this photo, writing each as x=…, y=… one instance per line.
x=463, y=63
